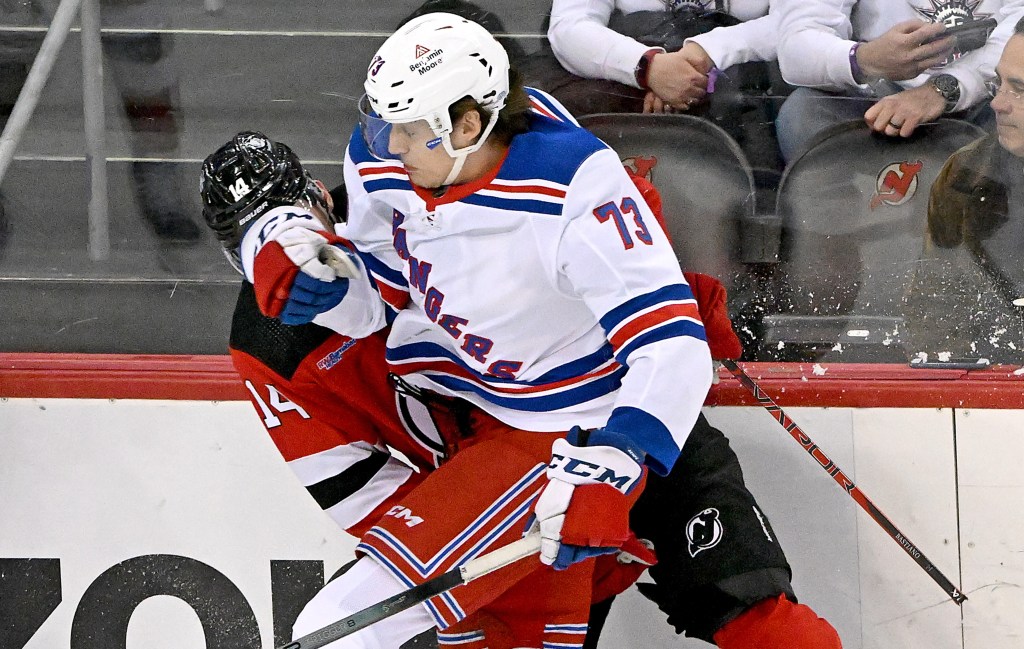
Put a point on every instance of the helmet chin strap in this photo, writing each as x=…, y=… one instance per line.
x=463, y=153
x=460, y=160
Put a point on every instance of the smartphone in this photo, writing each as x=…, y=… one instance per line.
x=970, y=35
x=950, y=364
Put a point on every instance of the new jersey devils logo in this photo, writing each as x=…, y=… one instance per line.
x=703, y=531
x=642, y=166
x=896, y=184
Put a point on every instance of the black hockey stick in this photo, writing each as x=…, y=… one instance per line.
x=464, y=574
x=845, y=482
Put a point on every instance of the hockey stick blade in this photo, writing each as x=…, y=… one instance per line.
x=845, y=482
x=478, y=567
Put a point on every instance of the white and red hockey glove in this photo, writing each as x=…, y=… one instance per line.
x=583, y=511
x=302, y=273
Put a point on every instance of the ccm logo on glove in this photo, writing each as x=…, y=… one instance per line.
x=571, y=466
x=583, y=511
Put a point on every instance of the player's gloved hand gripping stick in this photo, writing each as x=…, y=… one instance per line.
x=583, y=510
x=467, y=572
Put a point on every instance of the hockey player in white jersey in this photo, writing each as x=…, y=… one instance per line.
x=535, y=306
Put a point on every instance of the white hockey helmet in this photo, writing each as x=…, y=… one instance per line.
x=430, y=63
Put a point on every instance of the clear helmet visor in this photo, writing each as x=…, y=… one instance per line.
x=376, y=132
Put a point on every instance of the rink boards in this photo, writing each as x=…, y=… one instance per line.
x=157, y=523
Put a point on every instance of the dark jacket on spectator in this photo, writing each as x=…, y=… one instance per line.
x=961, y=299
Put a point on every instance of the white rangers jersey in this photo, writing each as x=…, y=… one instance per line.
x=545, y=292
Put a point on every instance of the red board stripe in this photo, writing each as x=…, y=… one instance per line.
x=212, y=378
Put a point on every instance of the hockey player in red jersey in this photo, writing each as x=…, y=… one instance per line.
x=631, y=365
x=324, y=398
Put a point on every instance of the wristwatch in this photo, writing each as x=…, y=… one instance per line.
x=643, y=67
x=949, y=88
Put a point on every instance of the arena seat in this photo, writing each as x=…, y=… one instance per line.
x=854, y=213
x=704, y=179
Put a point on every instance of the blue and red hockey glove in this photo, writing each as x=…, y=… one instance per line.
x=302, y=273
x=583, y=511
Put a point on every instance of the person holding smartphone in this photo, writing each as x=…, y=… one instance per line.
x=890, y=62
x=967, y=299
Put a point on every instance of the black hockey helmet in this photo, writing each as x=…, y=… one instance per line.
x=245, y=178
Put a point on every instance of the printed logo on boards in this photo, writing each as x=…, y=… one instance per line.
x=642, y=166
x=896, y=184
x=703, y=531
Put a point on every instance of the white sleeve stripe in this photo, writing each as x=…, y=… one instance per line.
x=362, y=503
x=522, y=196
x=318, y=467
x=540, y=182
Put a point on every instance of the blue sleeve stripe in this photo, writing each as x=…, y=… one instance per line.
x=523, y=205
x=534, y=402
x=670, y=293
x=675, y=329
x=647, y=431
x=542, y=98
x=578, y=367
x=382, y=270
x=385, y=183
x=426, y=351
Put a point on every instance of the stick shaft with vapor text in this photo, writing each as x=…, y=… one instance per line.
x=845, y=482
x=472, y=569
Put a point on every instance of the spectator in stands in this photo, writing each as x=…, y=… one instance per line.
x=969, y=283
x=885, y=61
x=667, y=49
x=705, y=57
x=145, y=72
